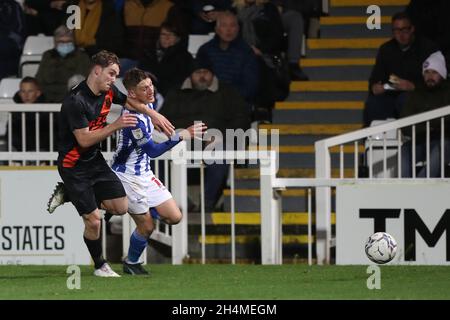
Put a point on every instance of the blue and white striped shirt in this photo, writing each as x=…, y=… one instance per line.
x=135, y=146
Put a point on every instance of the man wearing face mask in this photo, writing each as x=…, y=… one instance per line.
x=59, y=64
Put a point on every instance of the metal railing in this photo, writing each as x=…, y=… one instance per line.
x=271, y=185
x=178, y=160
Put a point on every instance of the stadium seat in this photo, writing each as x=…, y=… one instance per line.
x=33, y=49
x=378, y=151
x=8, y=88
x=196, y=41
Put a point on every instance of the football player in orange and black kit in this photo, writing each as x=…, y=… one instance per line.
x=89, y=183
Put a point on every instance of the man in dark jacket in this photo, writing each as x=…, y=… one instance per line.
x=12, y=37
x=233, y=61
x=397, y=70
x=58, y=65
x=170, y=61
x=434, y=94
x=203, y=97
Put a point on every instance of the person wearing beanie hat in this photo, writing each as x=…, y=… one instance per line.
x=198, y=64
x=397, y=70
x=435, y=93
x=434, y=64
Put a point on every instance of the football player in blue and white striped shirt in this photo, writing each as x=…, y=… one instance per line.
x=145, y=192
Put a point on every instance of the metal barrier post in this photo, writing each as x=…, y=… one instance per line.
x=271, y=234
x=323, y=204
x=178, y=182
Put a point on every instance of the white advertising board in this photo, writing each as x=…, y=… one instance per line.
x=417, y=215
x=28, y=233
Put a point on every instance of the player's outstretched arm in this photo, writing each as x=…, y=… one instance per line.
x=154, y=150
x=159, y=121
x=86, y=138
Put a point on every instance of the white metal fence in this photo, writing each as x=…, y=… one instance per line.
x=179, y=160
x=270, y=184
x=175, y=164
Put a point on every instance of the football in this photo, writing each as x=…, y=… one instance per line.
x=381, y=247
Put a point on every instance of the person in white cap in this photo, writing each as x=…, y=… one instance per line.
x=435, y=93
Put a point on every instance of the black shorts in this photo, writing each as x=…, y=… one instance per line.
x=89, y=183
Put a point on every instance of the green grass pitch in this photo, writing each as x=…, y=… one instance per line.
x=229, y=282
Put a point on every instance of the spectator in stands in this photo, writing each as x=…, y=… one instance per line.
x=204, y=97
x=101, y=27
x=30, y=92
x=204, y=14
x=44, y=16
x=12, y=37
x=430, y=20
x=170, y=61
x=294, y=26
x=233, y=61
x=61, y=63
x=399, y=62
x=263, y=31
x=143, y=19
x=435, y=93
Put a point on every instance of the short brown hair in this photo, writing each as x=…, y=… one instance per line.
x=133, y=76
x=104, y=59
x=31, y=80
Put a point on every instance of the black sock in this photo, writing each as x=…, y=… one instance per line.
x=95, y=249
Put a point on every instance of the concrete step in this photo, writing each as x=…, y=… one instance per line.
x=247, y=183
x=254, y=218
x=341, y=73
x=353, y=27
x=307, y=160
x=317, y=96
x=389, y=11
x=311, y=129
x=336, y=62
x=366, y=3
x=341, y=53
x=329, y=86
x=343, y=43
x=292, y=173
x=315, y=116
x=319, y=105
x=303, y=156
x=295, y=139
x=318, y=112
x=248, y=200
